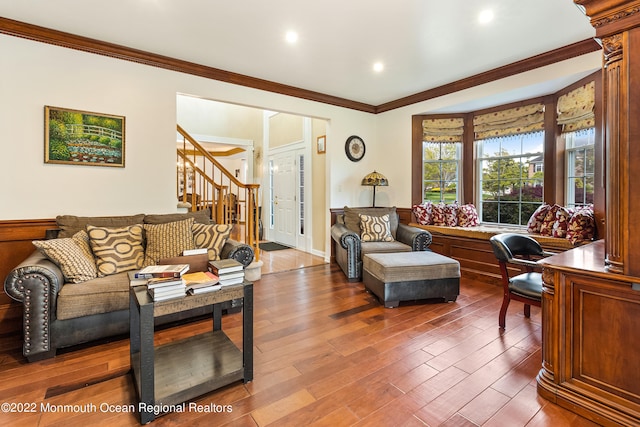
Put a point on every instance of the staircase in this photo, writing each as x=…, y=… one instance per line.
x=210, y=186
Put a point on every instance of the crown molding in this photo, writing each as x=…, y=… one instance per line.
x=59, y=38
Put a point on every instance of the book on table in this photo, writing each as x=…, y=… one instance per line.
x=167, y=292
x=233, y=275
x=223, y=266
x=201, y=288
x=135, y=281
x=160, y=282
x=168, y=270
x=232, y=281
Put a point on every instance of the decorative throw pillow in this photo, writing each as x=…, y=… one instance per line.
x=546, y=228
x=352, y=217
x=116, y=249
x=73, y=256
x=562, y=222
x=535, y=222
x=581, y=226
x=213, y=237
x=438, y=214
x=451, y=214
x=167, y=240
x=375, y=228
x=468, y=216
x=422, y=213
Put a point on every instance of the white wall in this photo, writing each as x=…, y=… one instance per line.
x=39, y=74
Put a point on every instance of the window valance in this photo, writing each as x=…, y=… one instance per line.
x=513, y=121
x=576, y=108
x=443, y=130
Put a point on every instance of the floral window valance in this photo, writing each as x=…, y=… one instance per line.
x=576, y=108
x=443, y=130
x=525, y=119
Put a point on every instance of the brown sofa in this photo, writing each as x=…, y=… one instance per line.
x=58, y=314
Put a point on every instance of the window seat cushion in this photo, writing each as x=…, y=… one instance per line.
x=484, y=232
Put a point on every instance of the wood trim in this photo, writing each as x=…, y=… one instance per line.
x=547, y=58
x=85, y=44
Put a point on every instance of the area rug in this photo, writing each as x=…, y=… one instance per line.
x=272, y=246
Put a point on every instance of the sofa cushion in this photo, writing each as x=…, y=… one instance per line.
x=211, y=236
x=167, y=240
x=352, y=218
x=71, y=224
x=73, y=256
x=100, y=295
x=116, y=249
x=199, y=217
x=384, y=247
x=375, y=228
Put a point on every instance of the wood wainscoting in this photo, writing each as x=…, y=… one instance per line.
x=15, y=246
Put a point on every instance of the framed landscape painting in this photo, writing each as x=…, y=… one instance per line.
x=76, y=137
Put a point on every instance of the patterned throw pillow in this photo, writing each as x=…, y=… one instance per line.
x=582, y=226
x=213, y=237
x=167, y=240
x=73, y=256
x=438, y=214
x=535, y=222
x=468, y=216
x=562, y=222
x=451, y=214
x=423, y=213
x=116, y=249
x=546, y=228
x=375, y=228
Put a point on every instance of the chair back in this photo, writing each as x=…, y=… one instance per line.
x=508, y=245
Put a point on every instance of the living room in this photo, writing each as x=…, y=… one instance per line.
x=52, y=74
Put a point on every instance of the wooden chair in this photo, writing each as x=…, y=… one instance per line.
x=521, y=250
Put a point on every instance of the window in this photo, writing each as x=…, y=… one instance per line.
x=440, y=171
x=580, y=155
x=511, y=177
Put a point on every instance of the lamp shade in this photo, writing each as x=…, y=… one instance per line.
x=375, y=179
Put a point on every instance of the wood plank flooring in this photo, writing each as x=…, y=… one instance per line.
x=326, y=354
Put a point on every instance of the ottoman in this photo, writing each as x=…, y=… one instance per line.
x=410, y=276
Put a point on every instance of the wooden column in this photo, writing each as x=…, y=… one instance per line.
x=617, y=24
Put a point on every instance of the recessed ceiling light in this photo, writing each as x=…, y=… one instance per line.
x=378, y=67
x=485, y=16
x=291, y=37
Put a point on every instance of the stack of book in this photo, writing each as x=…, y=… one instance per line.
x=229, y=271
x=164, y=281
x=200, y=282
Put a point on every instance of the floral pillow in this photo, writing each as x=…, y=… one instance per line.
x=437, y=214
x=546, y=228
x=562, y=222
x=581, y=226
x=535, y=222
x=451, y=214
x=468, y=216
x=423, y=213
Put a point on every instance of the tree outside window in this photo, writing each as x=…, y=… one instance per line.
x=580, y=155
x=440, y=171
x=512, y=174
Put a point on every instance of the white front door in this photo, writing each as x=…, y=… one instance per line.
x=284, y=198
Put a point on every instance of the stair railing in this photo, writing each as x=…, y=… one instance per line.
x=204, y=183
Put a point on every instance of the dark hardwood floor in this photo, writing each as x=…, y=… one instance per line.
x=326, y=353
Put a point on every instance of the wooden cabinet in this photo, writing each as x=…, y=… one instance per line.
x=591, y=353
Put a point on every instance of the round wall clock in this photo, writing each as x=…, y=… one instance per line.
x=354, y=147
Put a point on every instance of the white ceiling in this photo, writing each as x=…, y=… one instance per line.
x=422, y=43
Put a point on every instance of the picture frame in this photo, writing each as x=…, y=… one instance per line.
x=76, y=137
x=321, y=144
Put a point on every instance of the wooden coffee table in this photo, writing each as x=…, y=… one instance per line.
x=168, y=375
